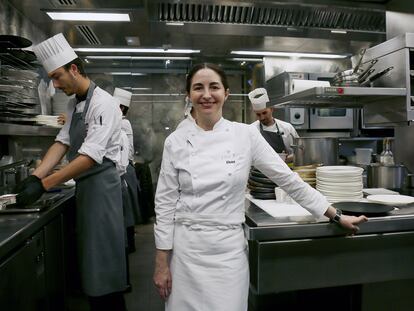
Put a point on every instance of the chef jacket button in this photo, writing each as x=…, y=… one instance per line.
x=227, y=130
x=229, y=174
x=223, y=197
x=195, y=177
x=193, y=153
x=228, y=151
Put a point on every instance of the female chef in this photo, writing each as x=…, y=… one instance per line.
x=201, y=257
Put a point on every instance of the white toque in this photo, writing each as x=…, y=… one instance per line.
x=259, y=99
x=123, y=96
x=54, y=52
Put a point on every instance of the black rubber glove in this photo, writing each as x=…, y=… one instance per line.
x=21, y=185
x=29, y=191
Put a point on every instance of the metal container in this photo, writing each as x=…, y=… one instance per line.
x=315, y=150
x=389, y=177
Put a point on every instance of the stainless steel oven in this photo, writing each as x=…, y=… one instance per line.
x=308, y=118
x=331, y=118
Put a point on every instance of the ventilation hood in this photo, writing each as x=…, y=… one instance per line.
x=364, y=22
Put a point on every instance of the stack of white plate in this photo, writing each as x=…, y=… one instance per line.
x=340, y=183
x=47, y=120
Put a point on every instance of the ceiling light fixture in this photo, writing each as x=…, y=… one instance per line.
x=121, y=73
x=88, y=16
x=136, y=50
x=339, y=31
x=174, y=24
x=289, y=54
x=236, y=59
x=139, y=57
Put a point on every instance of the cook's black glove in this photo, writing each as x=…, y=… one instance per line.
x=29, y=190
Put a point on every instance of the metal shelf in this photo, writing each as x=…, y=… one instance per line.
x=27, y=130
x=338, y=97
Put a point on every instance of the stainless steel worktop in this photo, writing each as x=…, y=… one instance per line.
x=15, y=228
x=263, y=227
x=294, y=256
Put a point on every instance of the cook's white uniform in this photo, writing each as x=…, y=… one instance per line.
x=289, y=132
x=127, y=129
x=102, y=139
x=200, y=211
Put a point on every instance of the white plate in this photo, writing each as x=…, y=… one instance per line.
x=340, y=179
x=391, y=199
x=340, y=169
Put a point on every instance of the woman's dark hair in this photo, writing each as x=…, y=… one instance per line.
x=78, y=62
x=213, y=67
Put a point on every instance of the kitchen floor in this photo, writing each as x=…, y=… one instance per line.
x=141, y=263
x=143, y=295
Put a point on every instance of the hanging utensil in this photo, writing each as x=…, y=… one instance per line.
x=366, y=70
x=362, y=53
x=377, y=76
x=364, y=76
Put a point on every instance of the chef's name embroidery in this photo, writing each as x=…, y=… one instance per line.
x=230, y=162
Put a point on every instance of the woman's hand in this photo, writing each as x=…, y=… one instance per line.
x=350, y=222
x=162, y=275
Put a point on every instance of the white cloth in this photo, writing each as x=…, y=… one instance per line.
x=289, y=132
x=127, y=128
x=102, y=140
x=201, y=188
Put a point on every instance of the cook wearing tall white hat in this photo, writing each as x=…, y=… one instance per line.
x=279, y=134
x=90, y=139
x=132, y=211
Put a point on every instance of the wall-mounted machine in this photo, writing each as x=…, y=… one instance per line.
x=308, y=118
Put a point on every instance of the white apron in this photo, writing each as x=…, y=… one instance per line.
x=209, y=263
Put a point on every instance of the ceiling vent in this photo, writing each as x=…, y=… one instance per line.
x=285, y=15
x=63, y=3
x=88, y=34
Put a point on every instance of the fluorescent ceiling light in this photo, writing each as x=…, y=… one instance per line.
x=120, y=73
x=236, y=59
x=339, y=31
x=89, y=16
x=174, y=24
x=289, y=54
x=140, y=57
x=136, y=50
x=163, y=94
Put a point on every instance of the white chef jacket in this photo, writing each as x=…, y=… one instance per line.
x=286, y=128
x=204, y=174
x=127, y=128
x=124, y=161
x=103, y=122
x=188, y=121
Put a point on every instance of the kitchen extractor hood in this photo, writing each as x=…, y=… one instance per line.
x=321, y=20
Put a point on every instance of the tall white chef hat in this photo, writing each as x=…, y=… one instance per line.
x=259, y=99
x=54, y=52
x=123, y=96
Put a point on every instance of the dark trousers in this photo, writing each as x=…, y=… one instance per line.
x=109, y=302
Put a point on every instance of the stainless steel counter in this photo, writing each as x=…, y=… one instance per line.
x=15, y=228
x=261, y=226
x=294, y=256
